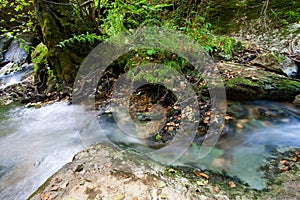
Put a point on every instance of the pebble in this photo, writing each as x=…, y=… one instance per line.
x=163, y=196
x=161, y=184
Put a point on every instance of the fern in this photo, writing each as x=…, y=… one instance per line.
x=83, y=38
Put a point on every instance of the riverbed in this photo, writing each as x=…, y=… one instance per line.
x=36, y=142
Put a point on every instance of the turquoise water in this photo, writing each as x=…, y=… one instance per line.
x=36, y=142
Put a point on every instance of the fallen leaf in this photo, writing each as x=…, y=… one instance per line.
x=64, y=185
x=163, y=196
x=202, y=182
x=82, y=182
x=54, y=188
x=206, y=120
x=159, y=191
x=120, y=197
x=231, y=184
x=172, y=170
x=45, y=196
x=284, y=169
x=239, y=125
x=217, y=189
x=170, y=128
x=201, y=175
x=284, y=162
x=161, y=184
x=294, y=159
x=135, y=198
x=228, y=117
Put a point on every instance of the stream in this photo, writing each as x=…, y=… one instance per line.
x=36, y=142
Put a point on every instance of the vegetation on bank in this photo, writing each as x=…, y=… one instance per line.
x=71, y=29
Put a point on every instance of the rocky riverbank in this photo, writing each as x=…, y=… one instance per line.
x=105, y=172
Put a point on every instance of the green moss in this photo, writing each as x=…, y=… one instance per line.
x=231, y=15
x=289, y=85
x=39, y=56
x=234, y=82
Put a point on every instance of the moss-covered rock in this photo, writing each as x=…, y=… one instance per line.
x=250, y=83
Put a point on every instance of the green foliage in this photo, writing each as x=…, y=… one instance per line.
x=285, y=11
x=201, y=31
x=118, y=16
x=278, y=56
x=122, y=15
x=19, y=13
x=22, y=45
x=83, y=38
x=39, y=57
x=153, y=65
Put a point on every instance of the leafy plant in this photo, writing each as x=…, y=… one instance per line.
x=83, y=38
x=125, y=15
x=19, y=13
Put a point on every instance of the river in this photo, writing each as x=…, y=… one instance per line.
x=36, y=142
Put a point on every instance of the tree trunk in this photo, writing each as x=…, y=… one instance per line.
x=59, y=20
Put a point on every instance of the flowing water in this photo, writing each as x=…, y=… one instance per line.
x=36, y=142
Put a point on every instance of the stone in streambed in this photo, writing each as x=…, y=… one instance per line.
x=297, y=100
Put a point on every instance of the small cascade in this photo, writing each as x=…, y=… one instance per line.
x=14, y=62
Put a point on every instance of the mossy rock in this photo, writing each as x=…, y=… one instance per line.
x=251, y=83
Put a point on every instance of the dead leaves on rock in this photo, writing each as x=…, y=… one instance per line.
x=201, y=175
x=45, y=196
x=231, y=184
x=288, y=164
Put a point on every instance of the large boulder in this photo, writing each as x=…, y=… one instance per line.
x=277, y=63
x=105, y=172
x=251, y=83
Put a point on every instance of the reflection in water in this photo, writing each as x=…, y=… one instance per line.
x=36, y=142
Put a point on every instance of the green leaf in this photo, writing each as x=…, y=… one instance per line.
x=157, y=137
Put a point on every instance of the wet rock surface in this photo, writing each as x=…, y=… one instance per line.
x=105, y=172
x=15, y=63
